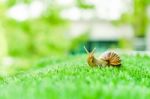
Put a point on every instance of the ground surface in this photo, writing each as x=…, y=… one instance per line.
x=71, y=78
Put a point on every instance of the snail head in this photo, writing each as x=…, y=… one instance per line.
x=91, y=58
x=90, y=54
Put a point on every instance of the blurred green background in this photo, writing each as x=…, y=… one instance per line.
x=45, y=33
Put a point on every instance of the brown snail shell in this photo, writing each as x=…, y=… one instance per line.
x=111, y=58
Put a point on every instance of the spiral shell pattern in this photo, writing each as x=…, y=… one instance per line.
x=112, y=58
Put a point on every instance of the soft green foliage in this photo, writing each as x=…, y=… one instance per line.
x=3, y=45
x=72, y=78
x=140, y=17
x=38, y=37
x=42, y=36
x=83, y=5
x=10, y=3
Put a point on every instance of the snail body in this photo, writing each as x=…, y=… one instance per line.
x=106, y=59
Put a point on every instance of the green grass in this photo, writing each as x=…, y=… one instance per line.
x=72, y=78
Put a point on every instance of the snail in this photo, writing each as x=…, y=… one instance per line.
x=109, y=58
